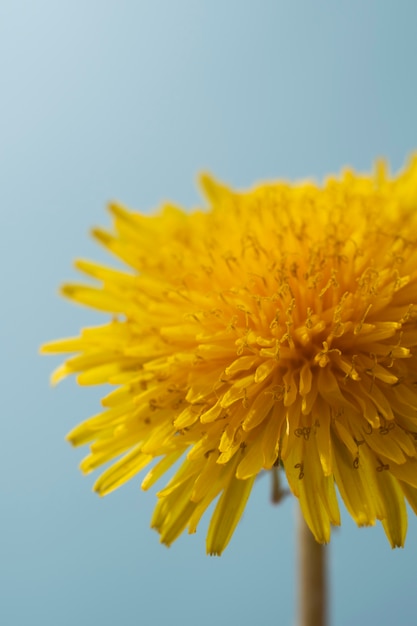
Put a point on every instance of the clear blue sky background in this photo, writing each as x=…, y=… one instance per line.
x=130, y=100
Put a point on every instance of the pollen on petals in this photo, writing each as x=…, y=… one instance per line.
x=273, y=328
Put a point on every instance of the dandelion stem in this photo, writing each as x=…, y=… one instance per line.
x=312, y=561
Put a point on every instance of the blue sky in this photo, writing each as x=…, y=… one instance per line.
x=130, y=100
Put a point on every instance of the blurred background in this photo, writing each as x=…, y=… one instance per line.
x=130, y=100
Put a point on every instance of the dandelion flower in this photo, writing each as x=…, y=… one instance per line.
x=275, y=327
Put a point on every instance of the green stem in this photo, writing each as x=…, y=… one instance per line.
x=312, y=564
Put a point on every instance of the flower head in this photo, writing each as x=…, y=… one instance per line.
x=277, y=327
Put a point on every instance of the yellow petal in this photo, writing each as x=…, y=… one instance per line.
x=227, y=514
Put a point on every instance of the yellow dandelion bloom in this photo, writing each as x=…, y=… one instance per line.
x=277, y=327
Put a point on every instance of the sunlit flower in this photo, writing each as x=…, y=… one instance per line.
x=274, y=328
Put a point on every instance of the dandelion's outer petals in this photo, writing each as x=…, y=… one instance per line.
x=276, y=327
